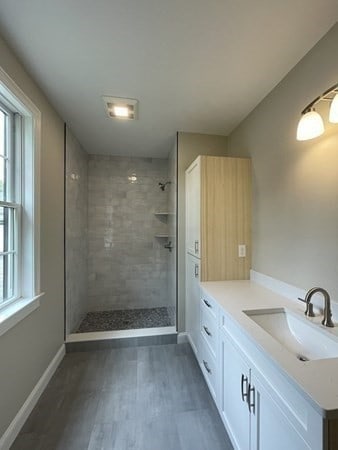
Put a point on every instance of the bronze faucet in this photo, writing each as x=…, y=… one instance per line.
x=327, y=321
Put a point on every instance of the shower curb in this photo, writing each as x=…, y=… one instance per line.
x=103, y=344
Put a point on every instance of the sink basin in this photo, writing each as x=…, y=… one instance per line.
x=307, y=341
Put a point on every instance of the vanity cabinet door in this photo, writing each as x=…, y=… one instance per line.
x=235, y=381
x=193, y=208
x=270, y=427
x=192, y=302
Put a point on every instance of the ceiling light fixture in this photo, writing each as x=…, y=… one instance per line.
x=121, y=111
x=311, y=123
x=121, y=108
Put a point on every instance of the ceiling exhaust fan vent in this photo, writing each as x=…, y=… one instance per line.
x=121, y=108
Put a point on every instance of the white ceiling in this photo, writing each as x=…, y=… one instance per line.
x=198, y=66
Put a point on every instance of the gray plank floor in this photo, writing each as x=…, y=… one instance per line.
x=140, y=398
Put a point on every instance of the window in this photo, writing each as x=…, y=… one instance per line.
x=20, y=123
x=10, y=207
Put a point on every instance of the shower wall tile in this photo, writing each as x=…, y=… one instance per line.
x=76, y=233
x=127, y=265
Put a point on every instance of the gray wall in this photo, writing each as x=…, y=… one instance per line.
x=190, y=145
x=27, y=349
x=127, y=265
x=295, y=204
x=76, y=233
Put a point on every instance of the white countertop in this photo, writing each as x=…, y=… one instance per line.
x=316, y=380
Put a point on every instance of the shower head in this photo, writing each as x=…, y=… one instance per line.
x=163, y=185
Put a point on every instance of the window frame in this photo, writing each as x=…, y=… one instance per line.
x=13, y=170
x=29, y=291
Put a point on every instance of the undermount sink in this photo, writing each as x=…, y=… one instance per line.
x=305, y=340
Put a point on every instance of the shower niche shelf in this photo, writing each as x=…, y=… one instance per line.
x=162, y=216
x=162, y=236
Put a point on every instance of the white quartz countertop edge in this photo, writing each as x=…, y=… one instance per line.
x=316, y=380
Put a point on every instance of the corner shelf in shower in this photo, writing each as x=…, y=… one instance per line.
x=161, y=213
x=162, y=236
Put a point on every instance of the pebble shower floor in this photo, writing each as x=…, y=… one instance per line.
x=127, y=319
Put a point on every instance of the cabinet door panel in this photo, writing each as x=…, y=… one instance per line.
x=235, y=378
x=193, y=200
x=270, y=428
x=192, y=303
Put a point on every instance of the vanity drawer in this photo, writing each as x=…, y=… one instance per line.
x=208, y=367
x=209, y=304
x=209, y=329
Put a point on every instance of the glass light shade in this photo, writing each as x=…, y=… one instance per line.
x=310, y=126
x=333, y=117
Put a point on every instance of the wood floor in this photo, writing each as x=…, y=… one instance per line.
x=139, y=398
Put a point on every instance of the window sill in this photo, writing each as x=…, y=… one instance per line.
x=15, y=312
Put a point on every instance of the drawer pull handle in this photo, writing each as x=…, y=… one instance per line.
x=244, y=394
x=196, y=247
x=196, y=270
x=206, y=330
x=251, y=403
x=207, y=368
x=207, y=303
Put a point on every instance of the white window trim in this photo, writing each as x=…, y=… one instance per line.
x=29, y=299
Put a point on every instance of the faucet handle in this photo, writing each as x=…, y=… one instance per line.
x=309, y=308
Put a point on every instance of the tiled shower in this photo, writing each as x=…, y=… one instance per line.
x=120, y=241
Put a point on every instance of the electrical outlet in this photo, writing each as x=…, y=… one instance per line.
x=242, y=250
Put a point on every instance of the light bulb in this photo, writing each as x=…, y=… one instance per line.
x=333, y=117
x=121, y=111
x=310, y=126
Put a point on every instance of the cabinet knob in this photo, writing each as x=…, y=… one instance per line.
x=251, y=401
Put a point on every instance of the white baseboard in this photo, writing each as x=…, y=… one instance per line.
x=17, y=423
x=182, y=338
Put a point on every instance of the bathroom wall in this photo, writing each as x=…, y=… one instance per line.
x=190, y=145
x=127, y=264
x=76, y=233
x=172, y=227
x=295, y=203
x=27, y=349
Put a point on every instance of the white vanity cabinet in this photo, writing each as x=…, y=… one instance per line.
x=260, y=408
x=255, y=419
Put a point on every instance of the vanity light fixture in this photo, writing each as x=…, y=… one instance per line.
x=311, y=123
x=121, y=108
x=333, y=117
